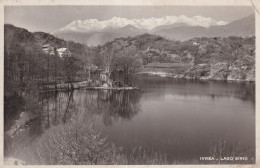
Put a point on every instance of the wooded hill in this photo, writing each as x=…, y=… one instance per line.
x=26, y=64
x=38, y=39
x=229, y=58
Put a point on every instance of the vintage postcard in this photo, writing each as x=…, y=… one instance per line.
x=160, y=83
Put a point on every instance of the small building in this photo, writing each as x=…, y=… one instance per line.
x=105, y=77
x=63, y=52
x=48, y=49
x=195, y=43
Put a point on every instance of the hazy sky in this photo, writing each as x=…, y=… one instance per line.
x=50, y=18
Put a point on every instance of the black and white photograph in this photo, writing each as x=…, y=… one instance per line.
x=129, y=85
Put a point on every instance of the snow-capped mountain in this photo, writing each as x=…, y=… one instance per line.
x=94, y=32
x=94, y=25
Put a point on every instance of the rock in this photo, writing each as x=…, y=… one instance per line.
x=219, y=71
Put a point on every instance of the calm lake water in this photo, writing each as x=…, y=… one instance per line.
x=176, y=117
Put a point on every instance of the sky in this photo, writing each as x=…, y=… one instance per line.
x=51, y=18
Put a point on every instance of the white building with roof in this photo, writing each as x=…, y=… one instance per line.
x=63, y=52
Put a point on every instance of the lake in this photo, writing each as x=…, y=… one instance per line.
x=176, y=117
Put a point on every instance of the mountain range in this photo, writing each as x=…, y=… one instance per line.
x=94, y=32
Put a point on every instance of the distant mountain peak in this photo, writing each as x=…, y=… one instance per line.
x=94, y=25
x=95, y=32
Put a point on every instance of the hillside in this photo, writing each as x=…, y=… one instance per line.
x=230, y=58
x=36, y=40
x=242, y=28
x=98, y=38
x=27, y=64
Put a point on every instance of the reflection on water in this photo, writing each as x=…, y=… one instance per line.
x=111, y=105
x=176, y=117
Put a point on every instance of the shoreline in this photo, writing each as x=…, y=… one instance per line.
x=169, y=75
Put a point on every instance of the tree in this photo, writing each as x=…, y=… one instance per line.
x=125, y=64
x=70, y=68
x=88, y=61
x=76, y=144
